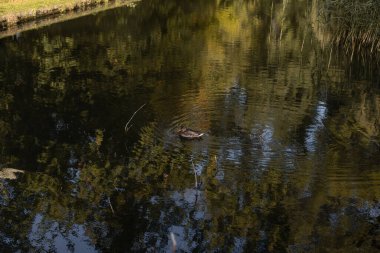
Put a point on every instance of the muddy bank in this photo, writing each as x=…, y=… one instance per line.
x=13, y=23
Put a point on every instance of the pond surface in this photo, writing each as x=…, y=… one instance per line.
x=290, y=160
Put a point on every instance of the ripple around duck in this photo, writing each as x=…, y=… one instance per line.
x=348, y=175
x=184, y=119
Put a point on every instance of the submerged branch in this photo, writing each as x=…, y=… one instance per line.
x=109, y=202
x=174, y=242
x=195, y=175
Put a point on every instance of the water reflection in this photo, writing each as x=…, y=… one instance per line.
x=48, y=236
x=312, y=131
x=290, y=161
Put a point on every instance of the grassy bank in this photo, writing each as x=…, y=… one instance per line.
x=16, y=12
x=353, y=24
x=11, y=7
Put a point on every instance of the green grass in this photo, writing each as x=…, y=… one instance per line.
x=13, y=7
x=18, y=15
x=15, y=12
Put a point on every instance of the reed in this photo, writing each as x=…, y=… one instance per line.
x=353, y=24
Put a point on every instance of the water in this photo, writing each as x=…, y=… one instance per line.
x=289, y=162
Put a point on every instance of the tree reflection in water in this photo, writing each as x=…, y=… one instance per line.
x=290, y=161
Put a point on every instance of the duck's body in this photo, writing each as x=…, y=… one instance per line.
x=189, y=134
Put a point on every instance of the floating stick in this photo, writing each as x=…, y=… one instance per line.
x=126, y=128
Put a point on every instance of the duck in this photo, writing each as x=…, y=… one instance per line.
x=189, y=134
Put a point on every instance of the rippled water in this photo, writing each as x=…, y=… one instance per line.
x=290, y=160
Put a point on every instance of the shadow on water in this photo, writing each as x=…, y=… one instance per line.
x=290, y=158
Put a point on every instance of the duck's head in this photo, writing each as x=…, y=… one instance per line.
x=182, y=129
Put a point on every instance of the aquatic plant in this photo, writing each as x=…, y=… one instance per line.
x=353, y=24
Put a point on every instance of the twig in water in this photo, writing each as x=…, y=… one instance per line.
x=195, y=175
x=126, y=128
x=109, y=202
x=328, y=65
x=174, y=242
x=303, y=42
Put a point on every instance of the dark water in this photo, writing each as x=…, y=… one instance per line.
x=291, y=157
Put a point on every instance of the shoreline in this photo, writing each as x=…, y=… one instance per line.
x=16, y=22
